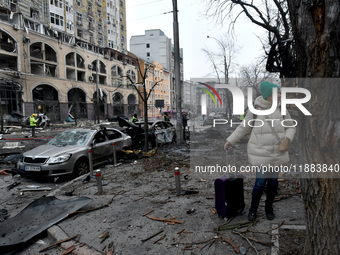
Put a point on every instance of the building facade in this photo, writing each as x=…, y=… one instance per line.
x=59, y=54
x=155, y=46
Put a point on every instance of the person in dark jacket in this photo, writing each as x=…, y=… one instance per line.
x=185, y=123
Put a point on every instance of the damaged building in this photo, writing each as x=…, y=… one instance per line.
x=56, y=55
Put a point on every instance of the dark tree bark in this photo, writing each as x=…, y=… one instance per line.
x=315, y=25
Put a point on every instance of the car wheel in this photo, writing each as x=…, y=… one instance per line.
x=81, y=167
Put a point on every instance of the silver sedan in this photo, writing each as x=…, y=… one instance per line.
x=68, y=152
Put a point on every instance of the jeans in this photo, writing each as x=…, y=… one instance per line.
x=261, y=180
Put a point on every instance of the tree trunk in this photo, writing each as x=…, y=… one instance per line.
x=315, y=25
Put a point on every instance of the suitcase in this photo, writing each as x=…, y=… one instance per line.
x=229, y=195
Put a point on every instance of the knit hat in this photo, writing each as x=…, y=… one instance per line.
x=266, y=88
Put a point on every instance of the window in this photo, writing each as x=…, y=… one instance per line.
x=132, y=75
x=78, y=2
x=57, y=3
x=148, y=45
x=121, y=3
x=99, y=27
x=116, y=76
x=80, y=33
x=111, y=44
x=56, y=19
x=99, y=13
x=34, y=14
x=121, y=27
x=75, y=67
x=44, y=59
x=68, y=7
x=79, y=17
x=148, y=54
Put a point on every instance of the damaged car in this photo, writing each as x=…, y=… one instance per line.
x=137, y=134
x=68, y=152
x=165, y=131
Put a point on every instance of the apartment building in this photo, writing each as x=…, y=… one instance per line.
x=60, y=53
x=155, y=46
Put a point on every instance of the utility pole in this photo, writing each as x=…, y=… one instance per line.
x=97, y=89
x=179, y=127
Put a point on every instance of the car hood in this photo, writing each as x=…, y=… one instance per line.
x=51, y=150
x=124, y=123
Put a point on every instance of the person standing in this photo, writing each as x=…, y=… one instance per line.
x=263, y=147
x=33, y=123
x=185, y=123
x=134, y=118
x=165, y=116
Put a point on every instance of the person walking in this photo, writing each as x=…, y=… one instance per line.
x=266, y=147
x=33, y=123
x=134, y=118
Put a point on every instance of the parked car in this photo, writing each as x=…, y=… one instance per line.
x=137, y=134
x=165, y=130
x=67, y=153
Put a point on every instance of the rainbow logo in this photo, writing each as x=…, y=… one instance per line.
x=209, y=93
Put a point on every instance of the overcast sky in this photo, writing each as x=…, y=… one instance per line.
x=193, y=28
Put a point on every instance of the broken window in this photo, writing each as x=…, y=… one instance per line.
x=8, y=52
x=77, y=99
x=132, y=76
x=73, y=62
x=116, y=75
x=47, y=96
x=11, y=96
x=118, y=103
x=102, y=102
x=41, y=53
x=34, y=14
x=101, y=72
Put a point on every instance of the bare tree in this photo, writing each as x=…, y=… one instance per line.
x=315, y=27
x=253, y=74
x=272, y=16
x=222, y=62
x=144, y=95
x=316, y=32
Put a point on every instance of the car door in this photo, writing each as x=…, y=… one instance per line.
x=101, y=148
x=115, y=137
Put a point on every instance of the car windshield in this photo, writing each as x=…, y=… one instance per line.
x=71, y=137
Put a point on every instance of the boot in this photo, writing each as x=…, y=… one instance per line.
x=269, y=211
x=252, y=212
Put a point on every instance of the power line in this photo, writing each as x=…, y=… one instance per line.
x=144, y=4
x=150, y=16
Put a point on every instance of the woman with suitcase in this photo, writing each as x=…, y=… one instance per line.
x=263, y=146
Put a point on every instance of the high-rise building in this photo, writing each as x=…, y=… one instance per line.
x=155, y=46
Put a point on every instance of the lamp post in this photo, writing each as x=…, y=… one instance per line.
x=225, y=73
